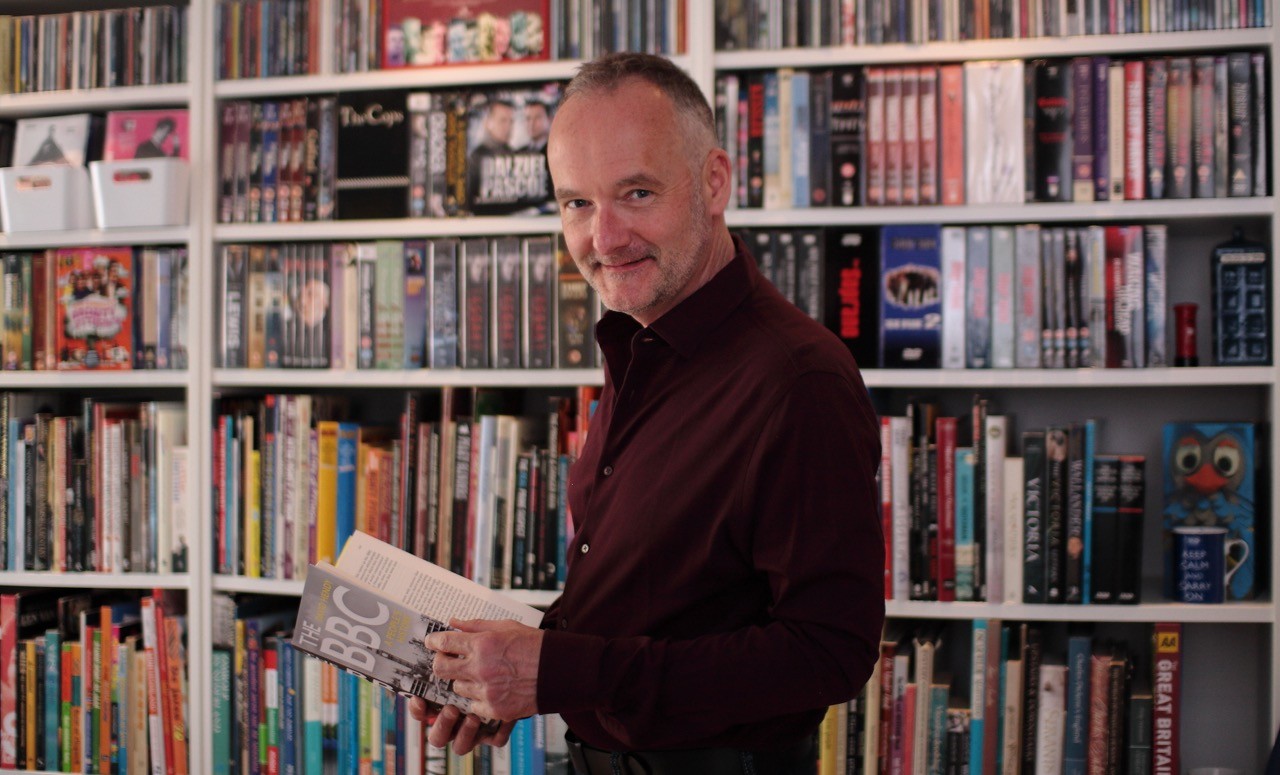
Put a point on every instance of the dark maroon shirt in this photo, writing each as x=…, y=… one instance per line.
x=725, y=584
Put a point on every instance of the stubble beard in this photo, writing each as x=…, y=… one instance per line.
x=676, y=265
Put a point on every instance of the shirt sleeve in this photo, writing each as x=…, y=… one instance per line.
x=809, y=491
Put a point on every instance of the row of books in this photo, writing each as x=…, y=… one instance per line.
x=104, y=489
x=1003, y=296
x=1095, y=129
x=93, y=683
x=386, y=154
x=266, y=38
x=95, y=308
x=759, y=24
x=93, y=49
x=1101, y=704
x=474, y=489
x=968, y=516
x=477, y=303
x=276, y=709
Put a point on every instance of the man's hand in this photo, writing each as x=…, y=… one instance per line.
x=494, y=663
x=465, y=731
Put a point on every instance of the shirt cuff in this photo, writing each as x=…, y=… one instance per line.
x=569, y=676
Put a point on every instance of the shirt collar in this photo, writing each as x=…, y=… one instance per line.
x=686, y=325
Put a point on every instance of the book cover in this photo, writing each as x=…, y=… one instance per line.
x=95, y=308
x=575, y=313
x=1166, y=699
x=1210, y=479
x=506, y=162
x=146, y=134
x=73, y=140
x=538, y=277
x=477, y=258
x=425, y=33
x=366, y=615
x=1053, y=131
x=372, y=173
x=910, y=279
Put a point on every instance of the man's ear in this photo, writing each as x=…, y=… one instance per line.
x=717, y=180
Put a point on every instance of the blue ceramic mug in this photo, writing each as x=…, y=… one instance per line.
x=1200, y=562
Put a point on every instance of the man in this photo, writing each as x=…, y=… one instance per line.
x=537, y=120
x=725, y=583
x=153, y=146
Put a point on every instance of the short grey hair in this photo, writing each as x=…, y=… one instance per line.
x=610, y=71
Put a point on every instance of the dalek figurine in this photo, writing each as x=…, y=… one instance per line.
x=1241, y=303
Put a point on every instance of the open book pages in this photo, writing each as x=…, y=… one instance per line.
x=370, y=613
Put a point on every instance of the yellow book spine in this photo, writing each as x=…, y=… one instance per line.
x=827, y=764
x=253, y=516
x=327, y=491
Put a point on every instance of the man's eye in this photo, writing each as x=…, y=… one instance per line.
x=574, y=204
x=641, y=193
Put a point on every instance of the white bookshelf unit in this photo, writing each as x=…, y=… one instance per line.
x=1231, y=667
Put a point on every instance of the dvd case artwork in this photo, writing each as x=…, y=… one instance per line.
x=95, y=308
x=145, y=134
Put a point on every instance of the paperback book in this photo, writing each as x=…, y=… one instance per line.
x=370, y=613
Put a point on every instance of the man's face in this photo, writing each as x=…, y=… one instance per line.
x=499, y=122
x=535, y=118
x=634, y=205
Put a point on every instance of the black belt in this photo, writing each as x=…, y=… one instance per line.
x=799, y=759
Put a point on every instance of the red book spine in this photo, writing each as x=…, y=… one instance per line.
x=893, y=136
x=1166, y=705
x=1099, y=680
x=1134, y=129
x=1179, y=129
x=910, y=136
x=1116, y=307
x=1202, y=129
x=928, y=135
x=884, y=740
x=951, y=132
x=8, y=689
x=946, y=500
x=876, y=136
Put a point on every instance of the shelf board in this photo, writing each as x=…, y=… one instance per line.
x=95, y=580
x=388, y=228
x=1233, y=613
x=1021, y=48
x=404, y=379
x=91, y=380
x=26, y=240
x=1028, y=212
x=93, y=100
x=443, y=77
x=1233, y=376
x=293, y=588
x=256, y=586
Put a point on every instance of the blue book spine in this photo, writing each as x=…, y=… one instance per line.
x=911, y=302
x=538, y=749
x=345, y=516
x=562, y=482
x=1090, y=448
x=162, y=312
x=16, y=492
x=52, y=699
x=964, y=523
x=1075, y=746
x=288, y=708
x=349, y=729
x=521, y=742
x=253, y=667
x=313, y=715
x=977, y=693
x=800, y=139
x=270, y=157
x=221, y=719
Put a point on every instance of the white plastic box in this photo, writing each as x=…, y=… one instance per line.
x=45, y=198
x=140, y=193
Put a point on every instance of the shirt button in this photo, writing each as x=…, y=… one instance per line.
x=584, y=548
x=564, y=624
x=608, y=471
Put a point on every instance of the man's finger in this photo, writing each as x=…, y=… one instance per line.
x=446, y=642
x=443, y=730
x=466, y=734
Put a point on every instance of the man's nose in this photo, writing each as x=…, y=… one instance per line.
x=609, y=231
